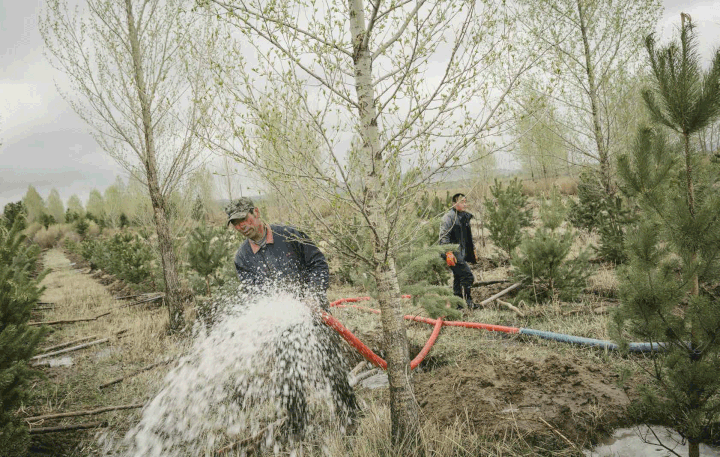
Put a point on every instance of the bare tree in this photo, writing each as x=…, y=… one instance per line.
x=133, y=81
x=596, y=53
x=359, y=105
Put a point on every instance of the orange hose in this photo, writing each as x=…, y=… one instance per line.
x=433, y=337
x=354, y=341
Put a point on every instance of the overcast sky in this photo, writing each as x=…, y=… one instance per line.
x=46, y=145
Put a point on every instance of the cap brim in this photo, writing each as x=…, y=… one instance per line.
x=237, y=216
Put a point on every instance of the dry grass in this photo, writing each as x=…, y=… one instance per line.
x=76, y=295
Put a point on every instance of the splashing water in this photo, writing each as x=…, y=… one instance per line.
x=267, y=374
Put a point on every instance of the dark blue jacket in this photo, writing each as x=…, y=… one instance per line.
x=455, y=229
x=289, y=257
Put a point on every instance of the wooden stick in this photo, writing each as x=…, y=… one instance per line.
x=44, y=303
x=69, y=321
x=510, y=307
x=125, y=297
x=69, y=343
x=64, y=428
x=90, y=412
x=489, y=282
x=72, y=349
x=500, y=294
x=134, y=373
x=558, y=432
x=139, y=302
x=42, y=308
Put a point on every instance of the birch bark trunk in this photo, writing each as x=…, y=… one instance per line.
x=167, y=253
x=404, y=409
x=594, y=103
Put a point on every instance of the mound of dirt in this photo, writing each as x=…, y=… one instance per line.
x=579, y=400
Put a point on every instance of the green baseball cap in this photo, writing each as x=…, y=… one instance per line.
x=239, y=209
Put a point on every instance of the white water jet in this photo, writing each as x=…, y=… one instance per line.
x=266, y=369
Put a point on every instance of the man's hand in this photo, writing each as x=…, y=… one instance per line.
x=450, y=259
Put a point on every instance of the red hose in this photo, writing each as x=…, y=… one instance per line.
x=354, y=341
x=433, y=337
x=490, y=327
x=377, y=360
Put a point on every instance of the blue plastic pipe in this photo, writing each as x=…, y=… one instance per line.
x=634, y=347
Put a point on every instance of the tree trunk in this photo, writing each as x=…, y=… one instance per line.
x=603, y=157
x=403, y=408
x=167, y=253
x=405, y=411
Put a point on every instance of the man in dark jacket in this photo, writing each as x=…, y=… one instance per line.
x=455, y=229
x=278, y=256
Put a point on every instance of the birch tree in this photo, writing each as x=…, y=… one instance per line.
x=597, y=49
x=388, y=95
x=132, y=80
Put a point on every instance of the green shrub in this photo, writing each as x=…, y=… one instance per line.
x=506, y=214
x=19, y=291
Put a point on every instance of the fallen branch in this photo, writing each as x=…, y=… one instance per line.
x=510, y=307
x=72, y=349
x=69, y=321
x=489, y=282
x=90, y=412
x=65, y=428
x=125, y=297
x=69, y=343
x=251, y=440
x=44, y=303
x=139, y=302
x=500, y=294
x=42, y=308
x=134, y=373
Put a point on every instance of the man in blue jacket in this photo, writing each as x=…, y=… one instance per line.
x=278, y=256
x=455, y=229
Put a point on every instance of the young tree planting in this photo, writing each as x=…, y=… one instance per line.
x=507, y=214
x=359, y=107
x=134, y=81
x=19, y=291
x=668, y=289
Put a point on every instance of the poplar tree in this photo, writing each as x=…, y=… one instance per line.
x=34, y=205
x=55, y=206
x=674, y=254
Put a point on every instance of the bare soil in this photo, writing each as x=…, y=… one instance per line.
x=573, y=398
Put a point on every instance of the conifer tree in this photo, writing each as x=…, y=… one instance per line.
x=12, y=212
x=19, y=291
x=543, y=258
x=207, y=252
x=507, y=214
x=676, y=248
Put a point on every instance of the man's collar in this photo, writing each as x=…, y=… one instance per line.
x=254, y=247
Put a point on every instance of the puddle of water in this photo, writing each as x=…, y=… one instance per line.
x=640, y=442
